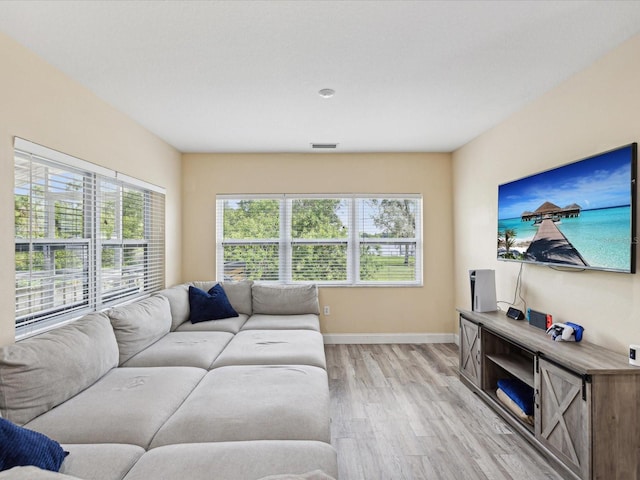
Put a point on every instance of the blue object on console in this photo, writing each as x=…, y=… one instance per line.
x=519, y=392
x=577, y=330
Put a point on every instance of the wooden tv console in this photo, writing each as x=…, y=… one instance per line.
x=587, y=398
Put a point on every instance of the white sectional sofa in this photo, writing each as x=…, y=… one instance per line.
x=140, y=392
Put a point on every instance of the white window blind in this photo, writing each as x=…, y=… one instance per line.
x=319, y=239
x=389, y=238
x=84, y=238
x=326, y=239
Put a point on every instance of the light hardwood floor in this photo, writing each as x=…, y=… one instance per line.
x=401, y=412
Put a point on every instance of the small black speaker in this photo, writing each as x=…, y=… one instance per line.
x=515, y=314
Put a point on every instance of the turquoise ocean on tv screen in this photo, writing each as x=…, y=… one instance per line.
x=601, y=236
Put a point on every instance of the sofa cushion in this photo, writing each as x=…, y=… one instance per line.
x=274, y=347
x=285, y=299
x=211, y=305
x=178, y=297
x=231, y=325
x=139, y=324
x=238, y=293
x=182, y=349
x=33, y=473
x=235, y=460
x=128, y=405
x=40, y=372
x=100, y=461
x=308, y=321
x=315, y=475
x=20, y=447
x=237, y=403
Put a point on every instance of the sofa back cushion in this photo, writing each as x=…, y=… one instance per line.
x=238, y=293
x=40, y=372
x=140, y=324
x=285, y=299
x=178, y=297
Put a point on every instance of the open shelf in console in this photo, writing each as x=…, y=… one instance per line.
x=503, y=359
x=520, y=366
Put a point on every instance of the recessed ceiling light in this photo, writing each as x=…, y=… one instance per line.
x=327, y=92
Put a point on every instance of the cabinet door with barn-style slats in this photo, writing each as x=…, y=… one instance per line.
x=562, y=416
x=470, y=351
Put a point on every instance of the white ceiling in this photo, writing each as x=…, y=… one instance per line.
x=244, y=76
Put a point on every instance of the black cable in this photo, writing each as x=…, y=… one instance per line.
x=517, y=292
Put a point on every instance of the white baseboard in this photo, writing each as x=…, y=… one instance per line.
x=372, y=338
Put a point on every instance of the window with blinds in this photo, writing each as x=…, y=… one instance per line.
x=85, y=237
x=325, y=239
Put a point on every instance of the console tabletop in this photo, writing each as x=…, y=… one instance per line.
x=582, y=357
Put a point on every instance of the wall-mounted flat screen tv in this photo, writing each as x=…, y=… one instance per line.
x=580, y=215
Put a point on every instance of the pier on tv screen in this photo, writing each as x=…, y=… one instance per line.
x=580, y=215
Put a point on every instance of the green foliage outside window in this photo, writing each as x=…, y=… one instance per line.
x=132, y=215
x=318, y=219
x=319, y=262
x=315, y=219
x=396, y=219
x=30, y=220
x=252, y=219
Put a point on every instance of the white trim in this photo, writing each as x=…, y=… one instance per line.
x=382, y=338
x=328, y=196
x=456, y=339
x=67, y=160
x=249, y=196
x=140, y=183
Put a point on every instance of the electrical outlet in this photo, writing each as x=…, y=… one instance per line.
x=327, y=310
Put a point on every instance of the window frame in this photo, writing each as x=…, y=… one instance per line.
x=49, y=311
x=353, y=240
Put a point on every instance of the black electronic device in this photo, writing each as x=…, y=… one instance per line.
x=515, y=314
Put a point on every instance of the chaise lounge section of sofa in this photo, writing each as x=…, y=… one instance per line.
x=141, y=392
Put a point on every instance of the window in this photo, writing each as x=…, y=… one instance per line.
x=85, y=237
x=325, y=239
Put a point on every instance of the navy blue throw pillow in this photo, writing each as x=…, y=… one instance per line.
x=21, y=447
x=518, y=391
x=211, y=305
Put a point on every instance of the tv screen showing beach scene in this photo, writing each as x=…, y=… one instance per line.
x=580, y=215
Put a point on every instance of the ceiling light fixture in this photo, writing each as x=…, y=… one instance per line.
x=327, y=92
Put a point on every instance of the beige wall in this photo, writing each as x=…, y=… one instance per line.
x=39, y=103
x=593, y=111
x=353, y=309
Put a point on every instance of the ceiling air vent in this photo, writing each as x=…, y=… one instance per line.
x=324, y=145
